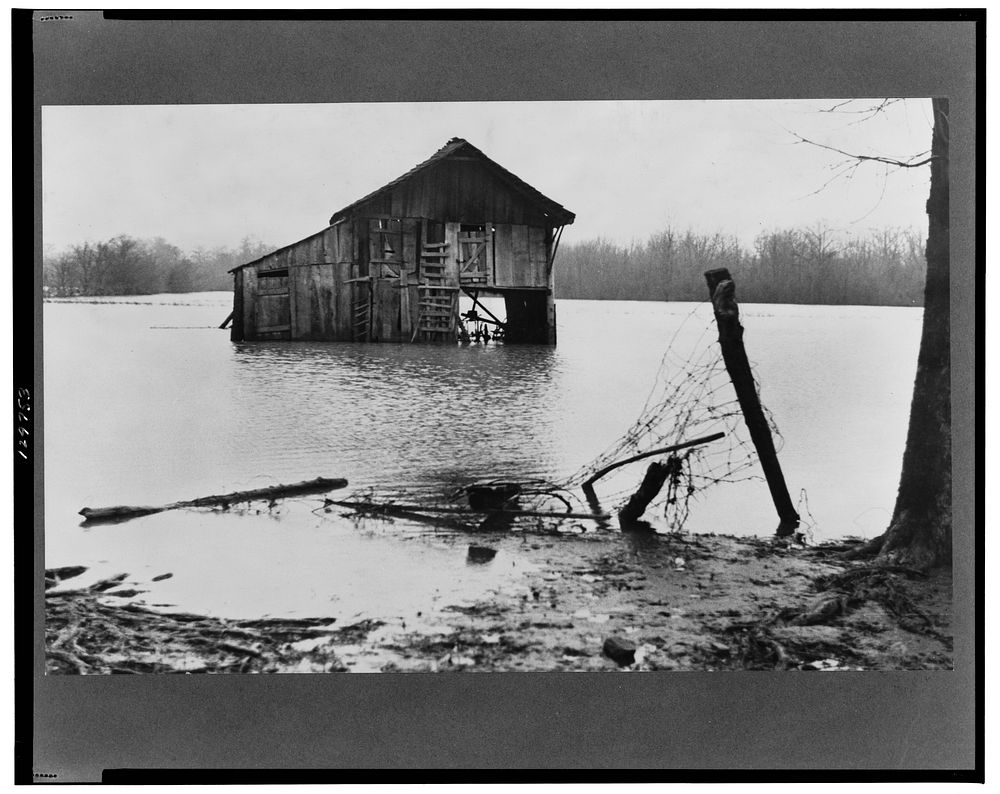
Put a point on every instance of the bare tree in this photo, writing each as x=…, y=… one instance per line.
x=919, y=533
x=61, y=274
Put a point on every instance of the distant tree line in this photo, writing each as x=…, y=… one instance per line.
x=885, y=268
x=125, y=265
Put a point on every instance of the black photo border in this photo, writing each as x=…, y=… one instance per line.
x=502, y=727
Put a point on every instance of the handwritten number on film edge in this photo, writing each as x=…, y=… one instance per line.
x=23, y=422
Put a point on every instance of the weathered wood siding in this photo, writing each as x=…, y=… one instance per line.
x=435, y=203
x=342, y=320
x=332, y=244
x=318, y=302
x=249, y=302
x=521, y=256
x=236, y=333
x=411, y=243
x=316, y=291
x=451, y=259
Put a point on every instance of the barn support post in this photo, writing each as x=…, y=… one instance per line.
x=550, y=318
x=550, y=298
x=722, y=291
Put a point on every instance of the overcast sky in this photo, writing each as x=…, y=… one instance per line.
x=210, y=175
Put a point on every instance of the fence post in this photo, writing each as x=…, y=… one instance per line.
x=722, y=291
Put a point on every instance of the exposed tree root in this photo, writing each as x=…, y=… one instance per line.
x=865, y=550
x=841, y=593
x=886, y=585
x=909, y=541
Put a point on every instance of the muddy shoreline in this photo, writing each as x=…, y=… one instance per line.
x=628, y=601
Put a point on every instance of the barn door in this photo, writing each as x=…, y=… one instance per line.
x=273, y=313
x=475, y=255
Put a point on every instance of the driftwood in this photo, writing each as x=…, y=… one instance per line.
x=395, y=512
x=392, y=508
x=588, y=486
x=94, y=515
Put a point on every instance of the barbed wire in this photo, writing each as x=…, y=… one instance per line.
x=692, y=396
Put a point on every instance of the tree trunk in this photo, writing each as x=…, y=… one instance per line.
x=650, y=486
x=919, y=534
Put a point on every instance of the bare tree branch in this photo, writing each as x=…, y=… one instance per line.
x=836, y=108
x=885, y=182
x=912, y=162
x=868, y=112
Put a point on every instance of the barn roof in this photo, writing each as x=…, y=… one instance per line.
x=560, y=215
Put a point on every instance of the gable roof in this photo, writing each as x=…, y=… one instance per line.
x=560, y=215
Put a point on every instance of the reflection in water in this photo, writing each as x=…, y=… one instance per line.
x=641, y=537
x=418, y=417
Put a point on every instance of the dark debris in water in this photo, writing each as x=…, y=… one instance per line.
x=480, y=555
x=53, y=576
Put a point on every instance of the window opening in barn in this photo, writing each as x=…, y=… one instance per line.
x=272, y=280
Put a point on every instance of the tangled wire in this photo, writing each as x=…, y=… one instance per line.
x=691, y=397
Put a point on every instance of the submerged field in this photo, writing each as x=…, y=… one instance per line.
x=147, y=402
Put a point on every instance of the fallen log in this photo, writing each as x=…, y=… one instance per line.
x=588, y=486
x=94, y=515
x=437, y=520
x=398, y=508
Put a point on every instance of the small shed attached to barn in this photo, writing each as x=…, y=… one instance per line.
x=391, y=266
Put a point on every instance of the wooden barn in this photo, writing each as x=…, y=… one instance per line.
x=391, y=266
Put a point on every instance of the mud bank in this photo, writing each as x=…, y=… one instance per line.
x=628, y=601
x=91, y=631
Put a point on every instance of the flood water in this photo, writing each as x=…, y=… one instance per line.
x=147, y=402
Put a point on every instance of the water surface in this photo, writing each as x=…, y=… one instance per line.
x=147, y=402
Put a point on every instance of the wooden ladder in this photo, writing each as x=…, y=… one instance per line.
x=438, y=302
